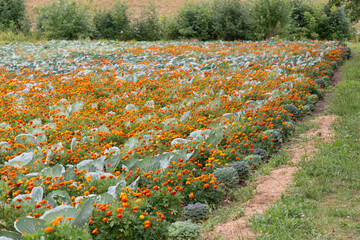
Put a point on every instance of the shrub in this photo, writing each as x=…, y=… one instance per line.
x=287, y=129
x=170, y=28
x=305, y=109
x=311, y=106
x=327, y=80
x=269, y=17
x=147, y=27
x=292, y=109
x=260, y=151
x=231, y=20
x=13, y=16
x=242, y=169
x=194, y=21
x=304, y=20
x=61, y=231
x=312, y=99
x=228, y=176
x=113, y=24
x=196, y=211
x=321, y=82
x=253, y=160
x=63, y=19
x=184, y=230
x=272, y=138
x=334, y=24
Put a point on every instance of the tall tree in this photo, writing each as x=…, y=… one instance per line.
x=351, y=6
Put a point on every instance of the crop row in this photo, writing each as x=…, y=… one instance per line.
x=117, y=139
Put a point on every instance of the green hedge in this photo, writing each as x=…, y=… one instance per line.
x=206, y=20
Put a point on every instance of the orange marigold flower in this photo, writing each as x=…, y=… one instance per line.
x=206, y=185
x=95, y=231
x=48, y=229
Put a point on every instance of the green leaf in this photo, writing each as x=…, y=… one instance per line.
x=56, y=171
x=73, y=143
x=37, y=194
x=133, y=186
x=105, y=198
x=69, y=174
x=58, y=197
x=21, y=160
x=29, y=225
x=113, y=161
x=63, y=210
x=85, y=214
x=4, y=235
x=215, y=137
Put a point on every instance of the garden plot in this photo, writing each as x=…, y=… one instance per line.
x=124, y=135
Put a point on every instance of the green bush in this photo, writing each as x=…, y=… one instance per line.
x=228, y=176
x=311, y=106
x=334, y=24
x=303, y=20
x=321, y=82
x=269, y=17
x=291, y=108
x=196, y=211
x=253, y=160
x=13, y=16
x=260, y=151
x=242, y=169
x=147, y=26
x=113, y=24
x=170, y=28
x=63, y=19
x=194, y=21
x=312, y=99
x=184, y=230
x=231, y=20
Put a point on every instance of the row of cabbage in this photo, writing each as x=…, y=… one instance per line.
x=108, y=140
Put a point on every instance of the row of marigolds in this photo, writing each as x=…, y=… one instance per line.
x=123, y=141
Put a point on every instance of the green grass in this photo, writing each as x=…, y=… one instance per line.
x=11, y=37
x=324, y=201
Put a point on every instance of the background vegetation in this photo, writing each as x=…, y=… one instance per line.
x=202, y=20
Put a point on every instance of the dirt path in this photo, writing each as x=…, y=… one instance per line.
x=270, y=187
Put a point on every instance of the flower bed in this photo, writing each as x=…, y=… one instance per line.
x=117, y=138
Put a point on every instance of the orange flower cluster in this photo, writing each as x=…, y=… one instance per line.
x=145, y=124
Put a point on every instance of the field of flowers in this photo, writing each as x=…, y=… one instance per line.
x=105, y=140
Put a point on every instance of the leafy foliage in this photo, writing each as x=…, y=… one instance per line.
x=196, y=211
x=270, y=17
x=184, y=230
x=147, y=26
x=242, y=168
x=228, y=176
x=253, y=160
x=231, y=20
x=63, y=19
x=113, y=23
x=194, y=21
x=292, y=109
x=13, y=16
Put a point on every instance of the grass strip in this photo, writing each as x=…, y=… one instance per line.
x=324, y=201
